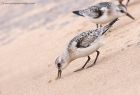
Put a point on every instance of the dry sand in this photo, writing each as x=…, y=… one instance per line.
x=27, y=58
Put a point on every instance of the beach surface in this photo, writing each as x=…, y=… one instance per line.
x=33, y=35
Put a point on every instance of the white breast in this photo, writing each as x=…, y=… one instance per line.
x=82, y=52
x=107, y=17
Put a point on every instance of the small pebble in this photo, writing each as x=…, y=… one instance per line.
x=49, y=65
x=49, y=81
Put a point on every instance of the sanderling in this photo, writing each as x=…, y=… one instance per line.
x=103, y=12
x=82, y=45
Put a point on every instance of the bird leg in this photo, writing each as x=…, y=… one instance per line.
x=83, y=65
x=101, y=25
x=127, y=2
x=59, y=74
x=120, y=1
x=95, y=59
x=98, y=25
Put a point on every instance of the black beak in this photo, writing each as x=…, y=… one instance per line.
x=77, y=13
x=127, y=14
x=59, y=74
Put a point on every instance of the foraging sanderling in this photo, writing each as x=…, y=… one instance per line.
x=104, y=12
x=82, y=45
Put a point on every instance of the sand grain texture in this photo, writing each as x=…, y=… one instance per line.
x=28, y=42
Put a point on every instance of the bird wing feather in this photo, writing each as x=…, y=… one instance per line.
x=94, y=12
x=108, y=5
x=85, y=39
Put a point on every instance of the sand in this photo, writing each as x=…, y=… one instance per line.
x=27, y=55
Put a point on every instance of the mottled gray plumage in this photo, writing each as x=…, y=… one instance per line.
x=105, y=4
x=103, y=12
x=82, y=45
x=85, y=39
x=95, y=11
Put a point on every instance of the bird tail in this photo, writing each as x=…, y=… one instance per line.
x=107, y=27
x=111, y=23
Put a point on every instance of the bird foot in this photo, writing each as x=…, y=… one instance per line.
x=78, y=70
x=89, y=66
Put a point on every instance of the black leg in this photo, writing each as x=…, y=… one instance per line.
x=95, y=59
x=100, y=25
x=59, y=74
x=120, y=2
x=97, y=25
x=83, y=65
x=127, y=2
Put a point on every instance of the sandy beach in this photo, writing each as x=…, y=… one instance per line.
x=32, y=36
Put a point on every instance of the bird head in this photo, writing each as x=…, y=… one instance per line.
x=122, y=10
x=61, y=63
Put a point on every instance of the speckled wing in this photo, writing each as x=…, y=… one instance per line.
x=85, y=39
x=101, y=6
x=108, y=5
x=94, y=12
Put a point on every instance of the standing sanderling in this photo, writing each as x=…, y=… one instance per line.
x=81, y=46
x=104, y=12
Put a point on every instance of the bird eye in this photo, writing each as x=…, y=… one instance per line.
x=121, y=11
x=59, y=65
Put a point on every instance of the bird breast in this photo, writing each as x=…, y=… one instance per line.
x=82, y=52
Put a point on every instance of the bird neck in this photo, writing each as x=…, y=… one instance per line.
x=66, y=58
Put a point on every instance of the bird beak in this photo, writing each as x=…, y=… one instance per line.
x=77, y=13
x=127, y=14
x=59, y=74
